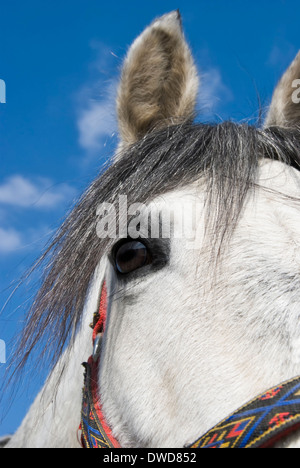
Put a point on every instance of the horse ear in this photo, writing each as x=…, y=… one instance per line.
x=159, y=80
x=285, y=106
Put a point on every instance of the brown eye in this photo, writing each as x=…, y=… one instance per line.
x=131, y=256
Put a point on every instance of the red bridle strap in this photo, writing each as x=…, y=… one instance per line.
x=96, y=433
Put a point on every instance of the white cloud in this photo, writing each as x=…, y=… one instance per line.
x=29, y=239
x=213, y=92
x=10, y=240
x=97, y=118
x=95, y=102
x=281, y=55
x=18, y=192
x=40, y=192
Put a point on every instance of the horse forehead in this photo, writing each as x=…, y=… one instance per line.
x=280, y=177
x=183, y=197
x=272, y=174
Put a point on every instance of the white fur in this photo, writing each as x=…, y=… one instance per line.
x=179, y=357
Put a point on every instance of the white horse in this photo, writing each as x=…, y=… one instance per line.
x=197, y=323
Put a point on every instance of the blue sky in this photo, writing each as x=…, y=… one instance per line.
x=60, y=61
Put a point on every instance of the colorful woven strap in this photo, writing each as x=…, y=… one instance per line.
x=94, y=429
x=260, y=423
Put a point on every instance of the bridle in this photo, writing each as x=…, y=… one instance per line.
x=260, y=423
x=95, y=431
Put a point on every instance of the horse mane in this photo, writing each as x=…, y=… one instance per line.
x=226, y=154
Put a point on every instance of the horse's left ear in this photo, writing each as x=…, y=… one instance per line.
x=159, y=81
x=285, y=106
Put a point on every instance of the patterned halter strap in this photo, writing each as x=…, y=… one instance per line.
x=259, y=424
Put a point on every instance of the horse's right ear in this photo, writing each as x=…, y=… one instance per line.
x=159, y=81
x=285, y=106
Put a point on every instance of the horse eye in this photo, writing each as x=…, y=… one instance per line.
x=131, y=256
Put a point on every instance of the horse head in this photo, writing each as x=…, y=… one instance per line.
x=194, y=231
